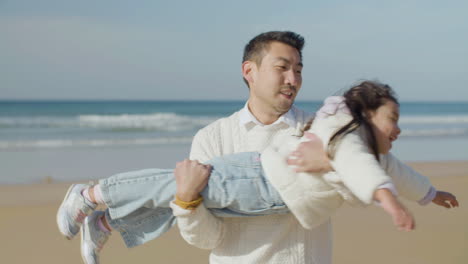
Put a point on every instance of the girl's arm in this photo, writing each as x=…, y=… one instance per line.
x=360, y=172
x=401, y=217
x=364, y=175
x=414, y=186
x=409, y=183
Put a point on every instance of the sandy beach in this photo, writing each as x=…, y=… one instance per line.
x=361, y=235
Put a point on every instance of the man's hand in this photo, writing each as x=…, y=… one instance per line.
x=191, y=178
x=310, y=156
x=445, y=199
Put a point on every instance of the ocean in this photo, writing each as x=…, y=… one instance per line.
x=35, y=129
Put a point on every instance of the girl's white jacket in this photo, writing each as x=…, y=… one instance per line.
x=313, y=198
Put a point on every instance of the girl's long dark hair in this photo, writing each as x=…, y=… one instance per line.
x=360, y=99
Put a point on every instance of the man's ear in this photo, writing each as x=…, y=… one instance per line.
x=248, y=68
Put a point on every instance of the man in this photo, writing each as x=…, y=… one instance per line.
x=271, y=67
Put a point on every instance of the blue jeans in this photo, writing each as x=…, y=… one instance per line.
x=138, y=201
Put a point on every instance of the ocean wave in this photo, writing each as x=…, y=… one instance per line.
x=124, y=122
x=434, y=119
x=158, y=121
x=412, y=126
x=436, y=132
x=36, y=122
x=66, y=143
x=168, y=121
x=63, y=143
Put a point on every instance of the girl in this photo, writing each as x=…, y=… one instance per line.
x=357, y=129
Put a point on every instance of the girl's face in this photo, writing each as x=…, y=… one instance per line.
x=384, y=122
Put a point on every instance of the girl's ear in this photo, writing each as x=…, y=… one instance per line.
x=368, y=114
x=248, y=67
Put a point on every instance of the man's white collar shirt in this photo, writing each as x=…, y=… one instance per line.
x=248, y=120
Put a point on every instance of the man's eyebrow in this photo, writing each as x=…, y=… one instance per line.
x=288, y=61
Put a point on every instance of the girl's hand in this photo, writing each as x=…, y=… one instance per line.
x=401, y=217
x=445, y=199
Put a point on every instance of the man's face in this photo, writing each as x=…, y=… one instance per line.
x=276, y=82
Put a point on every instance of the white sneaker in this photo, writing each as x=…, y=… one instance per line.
x=92, y=238
x=73, y=210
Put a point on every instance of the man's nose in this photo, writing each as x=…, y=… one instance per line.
x=292, y=78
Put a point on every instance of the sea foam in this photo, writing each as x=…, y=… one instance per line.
x=156, y=121
x=61, y=143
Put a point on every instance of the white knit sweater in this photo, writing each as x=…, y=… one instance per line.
x=265, y=239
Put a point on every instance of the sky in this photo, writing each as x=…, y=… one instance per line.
x=192, y=50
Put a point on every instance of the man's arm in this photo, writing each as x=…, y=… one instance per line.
x=191, y=178
x=198, y=227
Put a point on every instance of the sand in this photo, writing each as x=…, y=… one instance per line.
x=29, y=234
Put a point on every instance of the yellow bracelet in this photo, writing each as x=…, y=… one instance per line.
x=188, y=205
